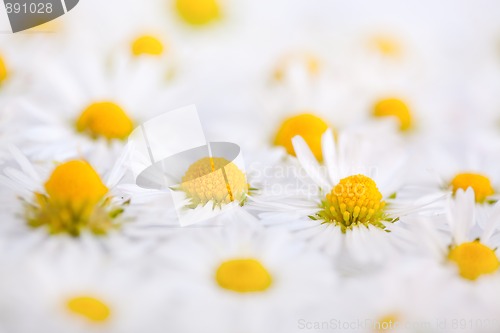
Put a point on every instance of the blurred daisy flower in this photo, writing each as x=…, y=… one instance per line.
x=85, y=295
x=231, y=277
x=446, y=173
x=85, y=106
x=467, y=249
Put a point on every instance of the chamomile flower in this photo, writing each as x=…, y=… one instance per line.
x=90, y=294
x=349, y=206
x=464, y=256
x=465, y=248
x=86, y=108
x=62, y=205
x=232, y=277
x=462, y=166
x=193, y=190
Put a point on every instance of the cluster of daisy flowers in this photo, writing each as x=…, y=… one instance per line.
x=364, y=197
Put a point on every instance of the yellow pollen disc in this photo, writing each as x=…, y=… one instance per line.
x=214, y=179
x=75, y=183
x=308, y=126
x=308, y=61
x=386, y=323
x=3, y=70
x=474, y=260
x=76, y=200
x=243, y=276
x=386, y=46
x=393, y=107
x=105, y=119
x=147, y=45
x=479, y=183
x=198, y=12
x=89, y=308
x=354, y=201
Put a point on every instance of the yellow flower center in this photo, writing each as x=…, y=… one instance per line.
x=214, y=179
x=393, y=107
x=147, y=45
x=75, y=199
x=308, y=126
x=243, y=276
x=308, y=61
x=77, y=183
x=386, y=46
x=354, y=201
x=474, y=260
x=198, y=12
x=3, y=70
x=479, y=183
x=386, y=323
x=91, y=309
x=105, y=119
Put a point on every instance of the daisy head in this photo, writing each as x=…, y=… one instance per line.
x=350, y=196
x=396, y=109
x=243, y=271
x=307, y=125
x=473, y=256
x=70, y=198
x=198, y=12
x=453, y=171
x=349, y=202
x=91, y=107
x=88, y=295
x=202, y=178
x=466, y=247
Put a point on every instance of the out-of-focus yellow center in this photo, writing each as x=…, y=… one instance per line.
x=89, y=308
x=75, y=183
x=394, y=107
x=214, y=179
x=309, y=62
x=386, y=46
x=105, y=119
x=474, y=259
x=198, y=12
x=354, y=201
x=75, y=200
x=147, y=45
x=479, y=183
x=243, y=276
x=3, y=70
x=308, y=126
x=386, y=323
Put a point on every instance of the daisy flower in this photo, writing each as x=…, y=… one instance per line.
x=464, y=258
x=466, y=249
x=202, y=179
x=462, y=166
x=84, y=295
x=350, y=206
x=232, y=277
x=86, y=107
x=68, y=204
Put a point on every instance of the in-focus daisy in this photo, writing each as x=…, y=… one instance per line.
x=349, y=206
x=242, y=276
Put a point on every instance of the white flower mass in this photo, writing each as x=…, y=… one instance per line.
x=365, y=197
